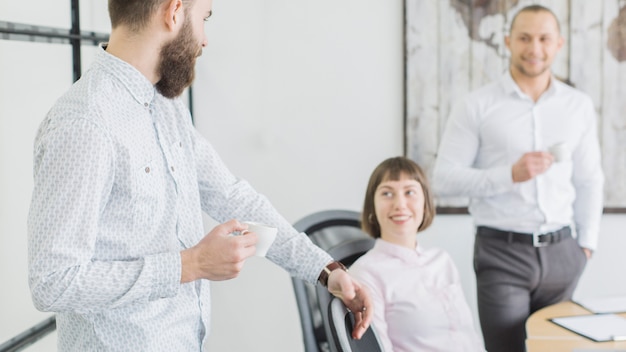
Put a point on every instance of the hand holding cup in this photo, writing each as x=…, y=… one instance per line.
x=560, y=152
x=265, y=233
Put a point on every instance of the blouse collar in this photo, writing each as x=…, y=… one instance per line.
x=398, y=251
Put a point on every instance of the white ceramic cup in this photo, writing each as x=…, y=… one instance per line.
x=560, y=152
x=265, y=233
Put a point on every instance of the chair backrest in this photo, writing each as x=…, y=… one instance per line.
x=347, y=252
x=339, y=233
x=341, y=322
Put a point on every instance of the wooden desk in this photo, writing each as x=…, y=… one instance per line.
x=545, y=336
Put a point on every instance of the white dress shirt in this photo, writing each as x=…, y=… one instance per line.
x=492, y=128
x=418, y=299
x=121, y=180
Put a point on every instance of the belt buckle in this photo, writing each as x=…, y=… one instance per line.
x=536, y=242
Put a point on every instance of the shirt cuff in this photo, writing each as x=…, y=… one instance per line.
x=166, y=269
x=587, y=241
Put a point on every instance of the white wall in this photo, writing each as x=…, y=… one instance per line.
x=300, y=98
x=303, y=98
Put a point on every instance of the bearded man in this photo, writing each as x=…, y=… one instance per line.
x=116, y=241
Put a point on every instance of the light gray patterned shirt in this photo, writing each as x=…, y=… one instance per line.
x=121, y=179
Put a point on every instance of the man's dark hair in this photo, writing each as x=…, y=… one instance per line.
x=134, y=14
x=535, y=8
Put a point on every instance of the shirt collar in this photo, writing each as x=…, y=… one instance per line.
x=398, y=251
x=510, y=87
x=141, y=89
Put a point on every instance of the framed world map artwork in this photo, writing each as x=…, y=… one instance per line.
x=455, y=46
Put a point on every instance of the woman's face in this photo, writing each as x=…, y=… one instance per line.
x=399, y=209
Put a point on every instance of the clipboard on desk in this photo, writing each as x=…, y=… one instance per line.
x=596, y=327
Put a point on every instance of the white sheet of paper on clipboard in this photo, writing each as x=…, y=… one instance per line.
x=597, y=327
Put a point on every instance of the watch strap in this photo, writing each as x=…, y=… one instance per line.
x=323, y=278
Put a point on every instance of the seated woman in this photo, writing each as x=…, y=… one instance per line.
x=418, y=300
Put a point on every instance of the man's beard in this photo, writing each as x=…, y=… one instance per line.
x=177, y=63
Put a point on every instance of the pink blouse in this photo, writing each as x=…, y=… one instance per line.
x=418, y=300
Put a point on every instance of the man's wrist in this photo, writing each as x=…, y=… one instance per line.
x=323, y=278
x=588, y=252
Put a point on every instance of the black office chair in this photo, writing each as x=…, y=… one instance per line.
x=339, y=233
x=341, y=322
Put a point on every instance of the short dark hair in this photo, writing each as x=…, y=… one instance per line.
x=393, y=169
x=134, y=13
x=535, y=8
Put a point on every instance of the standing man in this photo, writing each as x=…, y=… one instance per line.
x=116, y=241
x=525, y=150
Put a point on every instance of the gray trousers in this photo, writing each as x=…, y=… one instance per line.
x=515, y=279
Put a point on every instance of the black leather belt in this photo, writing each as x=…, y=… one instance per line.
x=533, y=239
